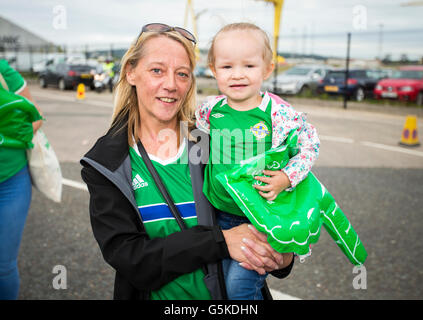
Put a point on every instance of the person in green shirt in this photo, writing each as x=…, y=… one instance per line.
x=15, y=181
x=243, y=123
x=138, y=236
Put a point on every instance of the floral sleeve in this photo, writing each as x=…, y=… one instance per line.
x=202, y=113
x=300, y=165
x=284, y=119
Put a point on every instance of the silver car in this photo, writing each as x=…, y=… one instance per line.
x=300, y=79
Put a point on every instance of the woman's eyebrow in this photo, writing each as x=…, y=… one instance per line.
x=159, y=63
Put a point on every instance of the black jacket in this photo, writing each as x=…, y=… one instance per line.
x=143, y=264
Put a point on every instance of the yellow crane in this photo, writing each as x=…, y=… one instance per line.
x=277, y=8
x=277, y=4
x=189, y=9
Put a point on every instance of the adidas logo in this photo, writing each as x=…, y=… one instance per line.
x=138, y=182
x=217, y=115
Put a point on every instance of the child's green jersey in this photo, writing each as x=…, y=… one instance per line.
x=234, y=136
x=158, y=219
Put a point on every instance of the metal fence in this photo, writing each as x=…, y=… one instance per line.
x=31, y=58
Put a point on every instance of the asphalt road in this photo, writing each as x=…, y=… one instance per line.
x=376, y=183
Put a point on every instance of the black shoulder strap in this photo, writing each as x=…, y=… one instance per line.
x=205, y=211
x=162, y=188
x=205, y=216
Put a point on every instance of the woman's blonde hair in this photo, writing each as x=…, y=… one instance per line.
x=243, y=26
x=126, y=102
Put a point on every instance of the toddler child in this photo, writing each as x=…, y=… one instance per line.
x=242, y=123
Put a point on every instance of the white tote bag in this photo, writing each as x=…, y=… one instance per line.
x=44, y=167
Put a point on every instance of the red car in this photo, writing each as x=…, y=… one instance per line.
x=406, y=84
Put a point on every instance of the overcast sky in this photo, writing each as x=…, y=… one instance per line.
x=307, y=26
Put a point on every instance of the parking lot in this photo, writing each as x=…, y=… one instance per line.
x=376, y=182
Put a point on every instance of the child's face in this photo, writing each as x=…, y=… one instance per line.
x=240, y=68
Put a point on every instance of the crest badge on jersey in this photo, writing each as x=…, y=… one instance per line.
x=260, y=130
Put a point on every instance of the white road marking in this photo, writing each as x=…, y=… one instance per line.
x=74, y=184
x=373, y=145
x=392, y=148
x=336, y=139
x=277, y=295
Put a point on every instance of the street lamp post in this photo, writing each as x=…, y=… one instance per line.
x=347, y=69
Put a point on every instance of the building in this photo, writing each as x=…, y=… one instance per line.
x=21, y=47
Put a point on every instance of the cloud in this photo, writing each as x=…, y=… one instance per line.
x=99, y=22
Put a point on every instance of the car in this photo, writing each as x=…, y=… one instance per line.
x=406, y=84
x=39, y=66
x=200, y=72
x=360, y=83
x=381, y=73
x=300, y=79
x=67, y=74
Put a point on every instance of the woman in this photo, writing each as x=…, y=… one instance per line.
x=137, y=235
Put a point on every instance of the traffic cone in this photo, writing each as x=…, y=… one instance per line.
x=409, y=135
x=80, y=91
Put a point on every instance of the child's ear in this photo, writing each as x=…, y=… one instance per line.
x=213, y=70
x=269, y=70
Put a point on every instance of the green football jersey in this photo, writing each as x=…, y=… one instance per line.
x=11, y=160
x=158, y=219
x=234, y=136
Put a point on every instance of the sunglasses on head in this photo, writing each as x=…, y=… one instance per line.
x=161, y=27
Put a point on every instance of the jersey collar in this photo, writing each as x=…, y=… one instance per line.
x=262, y=106
x=165, y=161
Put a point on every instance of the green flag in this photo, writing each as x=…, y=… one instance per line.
x=293, y=220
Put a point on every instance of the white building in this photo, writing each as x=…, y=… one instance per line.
x=22, y=48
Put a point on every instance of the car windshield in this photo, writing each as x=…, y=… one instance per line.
x=376, y=74
x=80, y=68
x=298, y=71
x=351, y=74
x=408, y=74
x=336, y=74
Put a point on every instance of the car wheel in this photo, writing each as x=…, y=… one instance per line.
x=359, y=94
x=43, y=83
x=419, y=100
x=62, y=84
x=305, y=91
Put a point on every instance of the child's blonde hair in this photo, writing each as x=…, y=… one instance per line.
x=267, y=50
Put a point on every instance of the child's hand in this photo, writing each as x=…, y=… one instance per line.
x=275, y=183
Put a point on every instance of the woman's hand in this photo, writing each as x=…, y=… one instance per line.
x=27, y=94
x=282, y=259
x=249, y=247
x=36, y=125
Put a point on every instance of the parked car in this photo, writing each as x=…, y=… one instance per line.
x=381, y=73
x=405, y=84
x=360, y=83
x=200, y=72
x=39, y=66
x=301, y=79
x=67, y=74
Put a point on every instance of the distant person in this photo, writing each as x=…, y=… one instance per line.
x=108, y=69
x=15, y=185
x=240, y=58
x=136, y=232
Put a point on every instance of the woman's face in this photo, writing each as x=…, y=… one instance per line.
x=162, y=79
